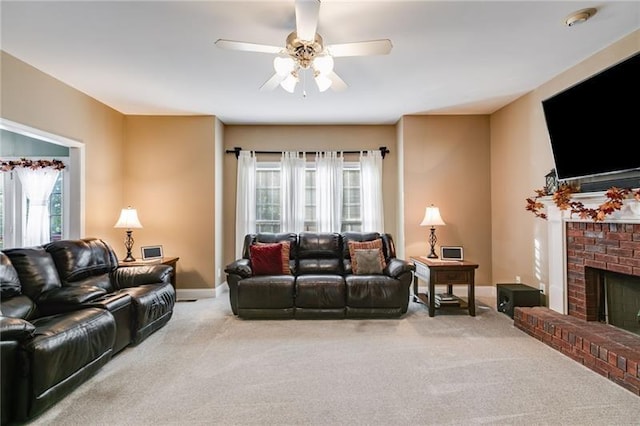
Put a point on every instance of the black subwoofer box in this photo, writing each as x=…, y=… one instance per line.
x=508, y=296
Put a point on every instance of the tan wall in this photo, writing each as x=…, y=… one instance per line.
x=169, y=179
x=521, y=157
x=446, y=163
x=308, y=138
x=32, y=98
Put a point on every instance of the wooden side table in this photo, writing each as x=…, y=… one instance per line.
x=171, y=261
x=440, y=272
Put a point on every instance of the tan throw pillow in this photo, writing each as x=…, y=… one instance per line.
x=286, y=248
x=368, y=261
x=364, y=245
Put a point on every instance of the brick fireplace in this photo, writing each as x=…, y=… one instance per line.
x=580, y=255
x=592, y=248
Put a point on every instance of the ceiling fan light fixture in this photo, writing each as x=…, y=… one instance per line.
x=579, y=17
x=323, y=82
x=289, y=83
x=283, y=65
x=323, y=64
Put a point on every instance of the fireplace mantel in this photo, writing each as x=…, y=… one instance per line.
x=556, y=234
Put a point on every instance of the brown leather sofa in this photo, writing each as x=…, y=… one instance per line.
x=66, y=310
x=321, y=282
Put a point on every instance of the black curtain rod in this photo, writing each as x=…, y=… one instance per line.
x=236, y=150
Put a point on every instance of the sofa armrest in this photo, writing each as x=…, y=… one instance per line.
x=240, y=267
x=15, y=329
x=397, y=267
x=133, y=276
x=65, y=299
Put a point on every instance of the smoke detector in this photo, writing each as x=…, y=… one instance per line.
x=579, y=17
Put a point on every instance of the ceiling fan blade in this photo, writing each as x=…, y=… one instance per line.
x=272, y=83
x=361, y=48
x=337, y=84
x=247, y=47
x=307, y=12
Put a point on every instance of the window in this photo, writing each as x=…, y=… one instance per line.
x=14, y=208
x=268, y=198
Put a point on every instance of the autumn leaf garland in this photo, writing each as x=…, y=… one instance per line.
x=562, y=199
x=7, y=166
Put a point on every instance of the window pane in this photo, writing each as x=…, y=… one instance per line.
x=267, y=199
x=351, y=202
x=55, y=211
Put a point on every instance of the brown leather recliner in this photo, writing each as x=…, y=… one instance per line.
x=66, y=309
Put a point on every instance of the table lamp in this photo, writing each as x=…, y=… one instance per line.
x=128, y=219
x=432, y=218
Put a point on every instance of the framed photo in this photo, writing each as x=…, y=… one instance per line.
x=451, y=253
x=152, y=252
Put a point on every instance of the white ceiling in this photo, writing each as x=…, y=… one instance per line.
x=159, y=57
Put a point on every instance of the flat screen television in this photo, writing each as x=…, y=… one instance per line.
x=594, y=125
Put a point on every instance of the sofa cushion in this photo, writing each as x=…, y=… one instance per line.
x=319, y=253
x=15, y=329
x=9, y=282
x=266, y=259
x=368, y=261
x=274, y=292
x=365, y=245
x=36, y=270
x=79, y=260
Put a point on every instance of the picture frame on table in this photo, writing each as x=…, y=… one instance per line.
x=152, y=252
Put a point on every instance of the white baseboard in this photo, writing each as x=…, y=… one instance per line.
x=195, y=293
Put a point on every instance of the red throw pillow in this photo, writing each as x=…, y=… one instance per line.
x=266, y=259
x=286, y=249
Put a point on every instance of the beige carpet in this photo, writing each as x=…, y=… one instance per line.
x=208, y=367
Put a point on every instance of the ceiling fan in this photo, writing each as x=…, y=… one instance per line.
x=304, y=50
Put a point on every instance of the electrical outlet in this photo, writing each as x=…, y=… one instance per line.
x=219, y=272
x=543, y=288
x=518, y=279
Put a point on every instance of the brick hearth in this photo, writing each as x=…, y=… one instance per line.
x=607, y=350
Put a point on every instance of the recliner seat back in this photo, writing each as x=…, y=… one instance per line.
x=13, y=303
x=320, y=253
x=89, y=261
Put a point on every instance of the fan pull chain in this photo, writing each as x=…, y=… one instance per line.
x=304, y=85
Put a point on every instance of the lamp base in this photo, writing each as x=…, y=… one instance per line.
x=432, y=243
x=128, y=244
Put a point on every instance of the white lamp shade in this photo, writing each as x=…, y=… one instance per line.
x=128, y=219
x=289, y=83
x=283, y=66
x=432, y=217
x=323, y=64
x=323, y=82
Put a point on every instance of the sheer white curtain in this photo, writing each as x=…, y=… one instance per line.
x=329, y=167
x=245, y=198
x=371, y=191
x=292, y=191
x=37, y=184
